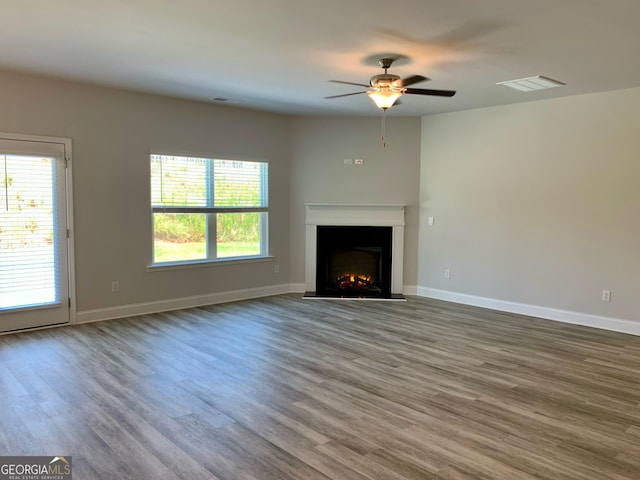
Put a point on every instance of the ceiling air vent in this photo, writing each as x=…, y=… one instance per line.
x=532, y=83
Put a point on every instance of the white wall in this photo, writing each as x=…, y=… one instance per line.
x=390, y=175
x=113, y=133
x=535, y=204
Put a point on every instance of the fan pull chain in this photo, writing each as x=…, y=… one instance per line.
x=384, y=144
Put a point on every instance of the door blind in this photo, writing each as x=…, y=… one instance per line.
x=28, y=259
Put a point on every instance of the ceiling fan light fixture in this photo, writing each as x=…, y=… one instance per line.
x=531, y=83
x=386, y=88
x=384, y=98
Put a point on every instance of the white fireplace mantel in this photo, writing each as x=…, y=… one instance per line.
x=355, y=215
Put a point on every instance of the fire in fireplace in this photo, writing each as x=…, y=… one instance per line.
x=353, y=261
x=354, y=281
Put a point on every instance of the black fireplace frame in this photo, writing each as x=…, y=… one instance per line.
x=340, y=237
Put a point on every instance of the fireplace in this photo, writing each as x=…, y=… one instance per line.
x=354, y=251
x=353, y=261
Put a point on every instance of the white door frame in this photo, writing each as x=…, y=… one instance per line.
x=66, y=143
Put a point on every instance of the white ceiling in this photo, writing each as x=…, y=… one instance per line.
x=278, y=55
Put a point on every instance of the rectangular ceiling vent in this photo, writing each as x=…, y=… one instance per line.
x=532, y=83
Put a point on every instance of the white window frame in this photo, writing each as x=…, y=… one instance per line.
x=211, y=212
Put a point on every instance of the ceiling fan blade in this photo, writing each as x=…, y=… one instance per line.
x=345, y=95
x=350, y=83
x=426, y=91
x=413, y=79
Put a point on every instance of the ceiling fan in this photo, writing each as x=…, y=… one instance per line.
x=385, y=89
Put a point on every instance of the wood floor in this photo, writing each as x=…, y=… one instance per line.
x=284, y=388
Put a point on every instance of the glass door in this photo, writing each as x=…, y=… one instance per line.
x=34, y=251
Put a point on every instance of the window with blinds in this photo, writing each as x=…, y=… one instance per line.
x=28, y=260
x=208, y=209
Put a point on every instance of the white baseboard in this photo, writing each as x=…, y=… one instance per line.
x=606, y=323
x=298, y=288
x=110, y=313
x=410, y=290
x=566, y=316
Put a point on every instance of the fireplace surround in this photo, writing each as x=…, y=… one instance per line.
x=354, y=251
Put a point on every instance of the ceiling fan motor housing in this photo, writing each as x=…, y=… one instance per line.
x=386, y=80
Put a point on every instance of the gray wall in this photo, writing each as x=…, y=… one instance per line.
x=535, y=203
x=389, y=175
x=113, y=133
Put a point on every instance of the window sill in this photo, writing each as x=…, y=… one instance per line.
x=207, y=263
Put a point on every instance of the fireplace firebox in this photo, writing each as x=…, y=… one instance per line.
x=354, y=261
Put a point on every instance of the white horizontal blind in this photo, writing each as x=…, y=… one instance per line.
x=186, y=184
x=28, y=259
x=179, y=181
x=240, y=184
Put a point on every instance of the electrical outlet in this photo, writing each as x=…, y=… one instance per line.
x=447, y=273
x=115, y=286
x=430, y=221
x=606, y=295
x=348, y=161
x=276, y=268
